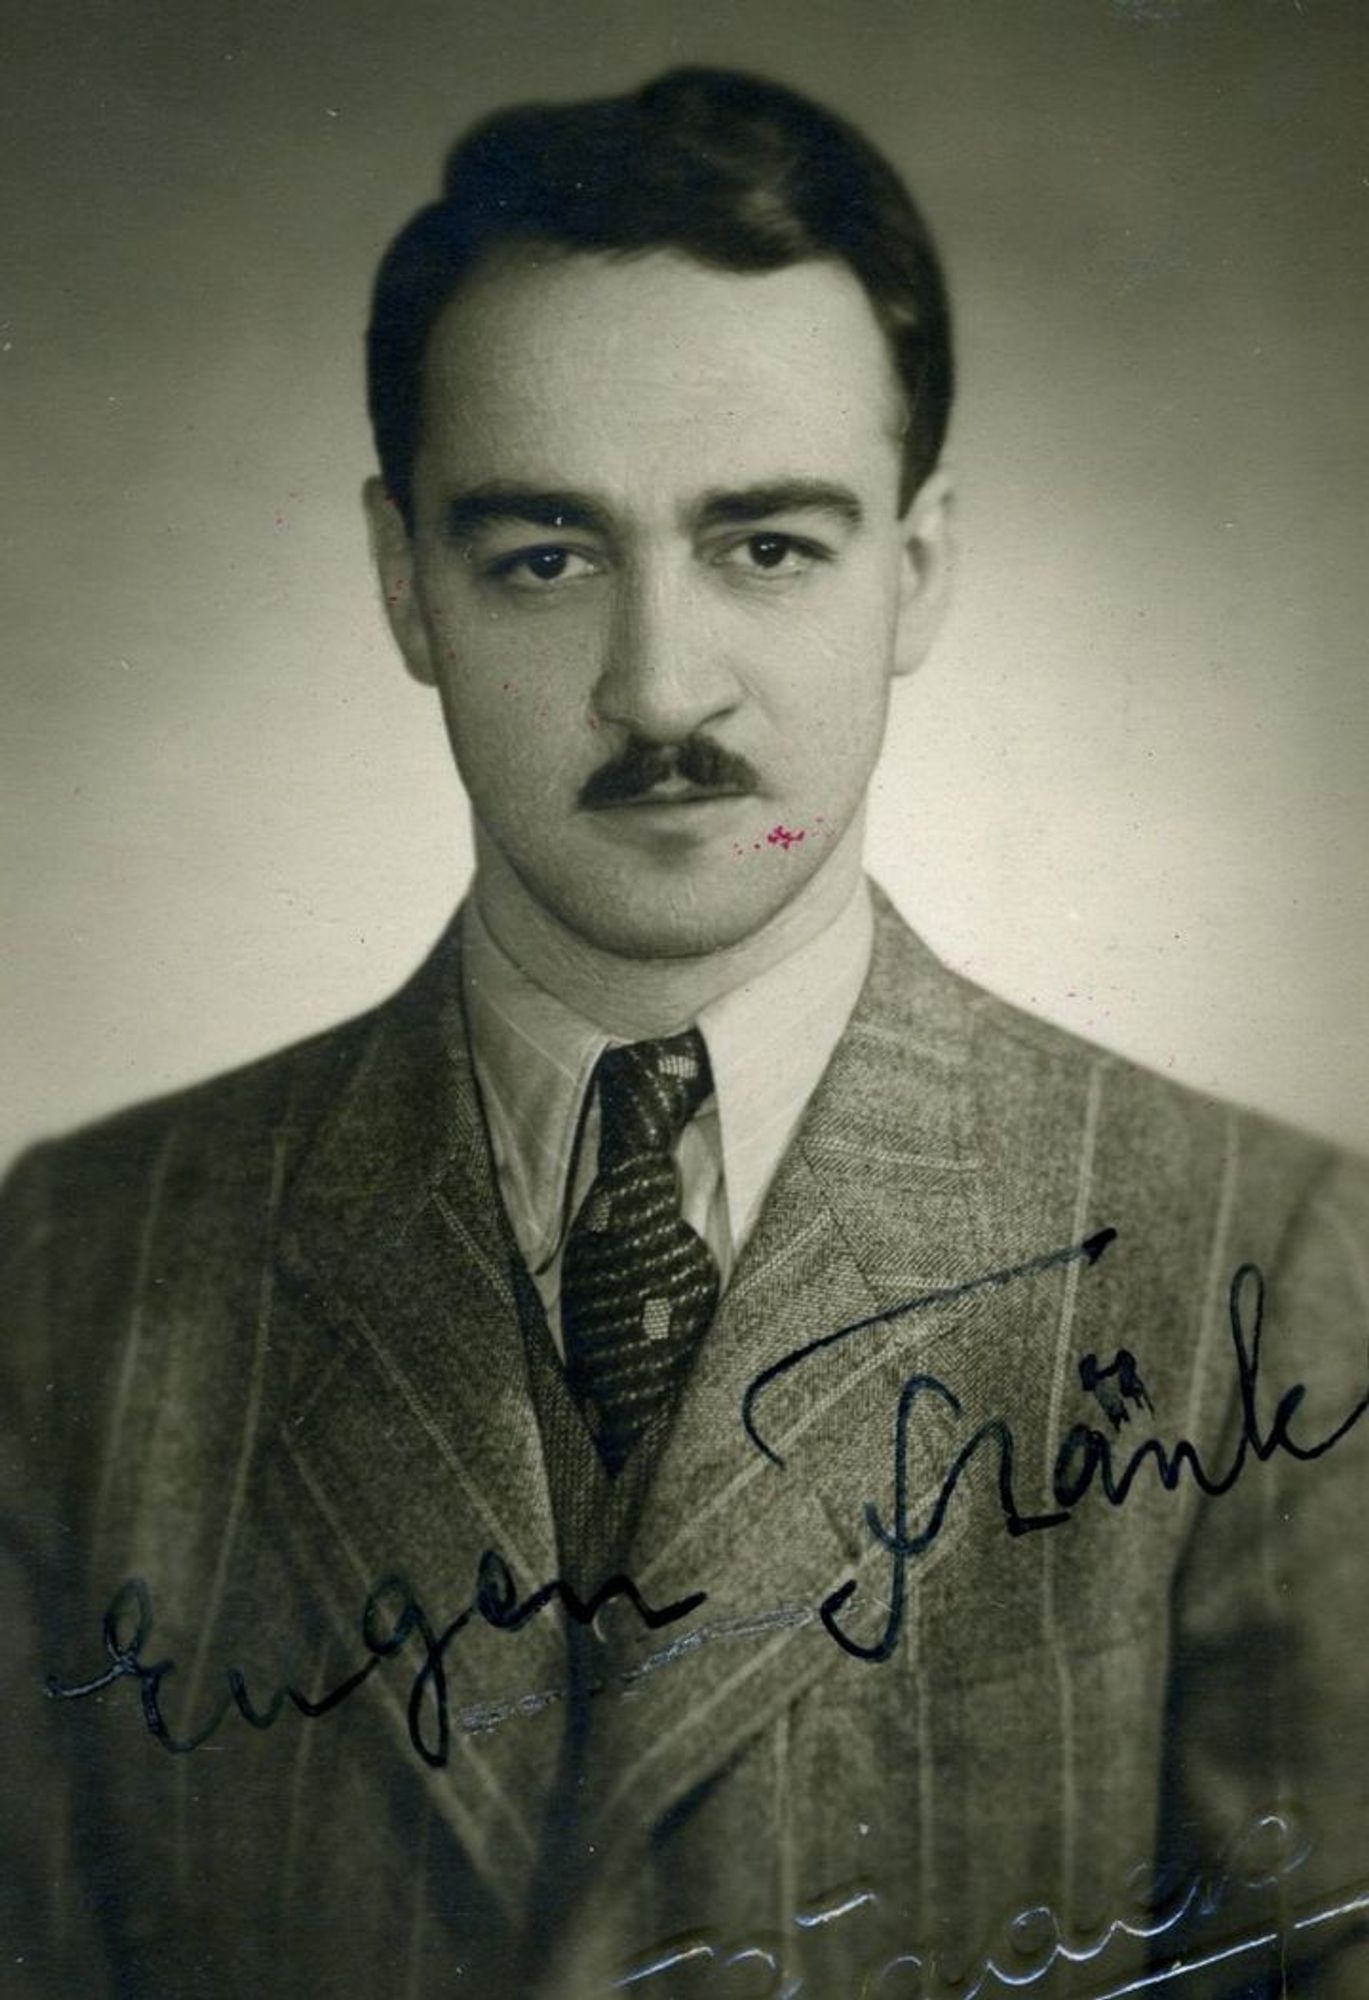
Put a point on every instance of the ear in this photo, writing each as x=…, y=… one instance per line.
x=925, y=585
x=392, y=551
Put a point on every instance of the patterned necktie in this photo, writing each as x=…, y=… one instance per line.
x=638, y=1285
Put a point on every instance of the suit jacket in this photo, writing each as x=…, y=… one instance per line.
x=266, y=1350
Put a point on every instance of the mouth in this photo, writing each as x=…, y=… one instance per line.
x=668, y=780
x=674, y=792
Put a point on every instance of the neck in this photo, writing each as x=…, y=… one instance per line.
x=636, y=998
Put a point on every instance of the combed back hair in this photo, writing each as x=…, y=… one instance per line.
x=740, y=174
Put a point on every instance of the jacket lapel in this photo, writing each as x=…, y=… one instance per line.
x=410, y=1441
x=881, y=1199
x=409, y=1445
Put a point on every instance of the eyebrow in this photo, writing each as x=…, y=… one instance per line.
x=781, y=496
x=480, y=506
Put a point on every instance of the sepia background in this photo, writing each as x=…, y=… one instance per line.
x=1129, y=789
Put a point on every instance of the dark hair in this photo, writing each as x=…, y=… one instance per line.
x=739, y=173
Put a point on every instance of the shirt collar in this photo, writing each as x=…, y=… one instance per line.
x=768, y=1043
x=534, y=1059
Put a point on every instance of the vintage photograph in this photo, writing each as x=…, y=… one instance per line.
x=684, y=1261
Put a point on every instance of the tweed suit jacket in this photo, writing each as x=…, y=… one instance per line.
x=265, y=1350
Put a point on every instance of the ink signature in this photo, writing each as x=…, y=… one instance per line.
x=1088, y=1251
x=1084, y=1460
x=391, y=1618
x=1035, y=1940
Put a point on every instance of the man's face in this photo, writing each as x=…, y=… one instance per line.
x=658, y=576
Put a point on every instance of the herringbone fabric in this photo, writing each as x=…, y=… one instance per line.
x=261, y=1346
x=639, y=1285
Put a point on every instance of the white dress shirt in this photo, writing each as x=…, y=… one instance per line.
x=768, y=1043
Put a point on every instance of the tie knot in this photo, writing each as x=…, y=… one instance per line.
x=648, y=1092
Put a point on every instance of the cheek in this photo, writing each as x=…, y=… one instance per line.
x=832, y=695
x=837, y=642
x=520, y=740
x=499, y=659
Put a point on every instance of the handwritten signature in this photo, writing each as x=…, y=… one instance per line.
x=391, y=1618
x=1085, y=1459
x=1032, y=1941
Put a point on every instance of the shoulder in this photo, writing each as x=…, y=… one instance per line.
x=144, y=1231
x=232, y=1120
x=151, y=1231
x=1055, y=1103
x=229, y=1129
x=204, y=1164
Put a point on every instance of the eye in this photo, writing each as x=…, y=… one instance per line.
x=762, y=557
x=547, y=564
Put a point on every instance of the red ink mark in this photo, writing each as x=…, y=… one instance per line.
x=783, y=836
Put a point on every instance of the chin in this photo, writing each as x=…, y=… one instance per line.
x=683, y=924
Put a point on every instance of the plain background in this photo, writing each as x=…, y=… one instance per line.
x=1127, y=791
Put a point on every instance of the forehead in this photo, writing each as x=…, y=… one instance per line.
x=654, y=375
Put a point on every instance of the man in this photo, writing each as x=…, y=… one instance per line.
x=691, y=1449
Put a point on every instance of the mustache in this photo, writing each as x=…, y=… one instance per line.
x=639, y=767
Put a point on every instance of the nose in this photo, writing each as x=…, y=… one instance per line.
x=665, y=672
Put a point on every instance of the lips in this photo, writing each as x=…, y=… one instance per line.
x=652, y=775
x=677, y=792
